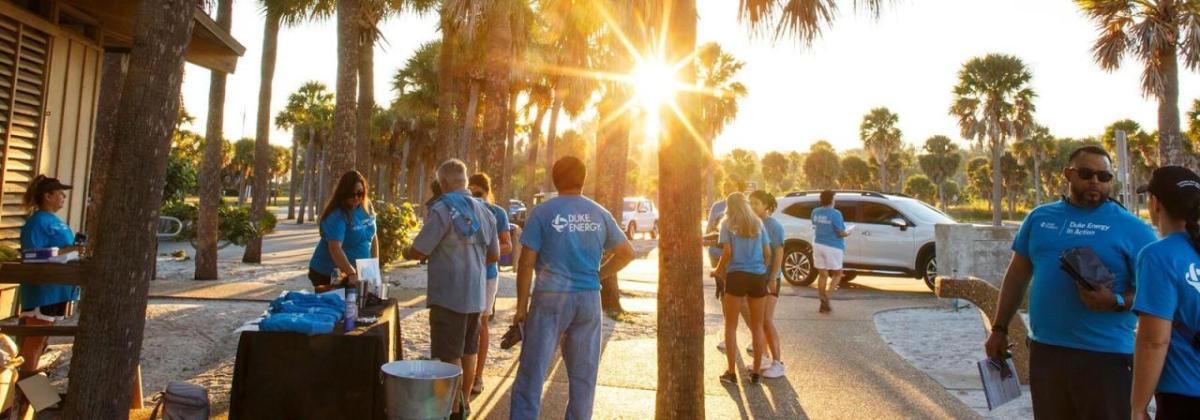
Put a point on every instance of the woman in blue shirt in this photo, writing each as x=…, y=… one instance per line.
x=347, y=227
x=763, y=204
x=743, y=271
x=44, y=304
x=1166, y=359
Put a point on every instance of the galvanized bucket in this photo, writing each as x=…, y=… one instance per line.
x=420, y=389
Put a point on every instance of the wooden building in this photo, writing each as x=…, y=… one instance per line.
x=50, y=59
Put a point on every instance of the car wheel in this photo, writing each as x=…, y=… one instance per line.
x=798, y=265
x=630, y=230
x=927, y=266
x=848, y=276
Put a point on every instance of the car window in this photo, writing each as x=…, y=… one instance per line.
x=800, y=210
x=877, y=213
x=644, y=207
x=630, y=206
x=849, y=210
x=924, y=212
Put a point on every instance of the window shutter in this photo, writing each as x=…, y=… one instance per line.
x=24, y=65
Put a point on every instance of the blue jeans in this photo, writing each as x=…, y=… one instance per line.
x=576, y=317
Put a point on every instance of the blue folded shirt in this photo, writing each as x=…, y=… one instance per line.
x=310, y=324
x=304, y=313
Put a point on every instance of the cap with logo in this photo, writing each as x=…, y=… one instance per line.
x=1171, y=183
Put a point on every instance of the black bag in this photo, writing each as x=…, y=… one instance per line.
x=182, y=401
x=1083, y=265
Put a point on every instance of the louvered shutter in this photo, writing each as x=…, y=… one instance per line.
x=24, y=64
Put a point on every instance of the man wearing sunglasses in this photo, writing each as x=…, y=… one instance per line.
x=1081, y=340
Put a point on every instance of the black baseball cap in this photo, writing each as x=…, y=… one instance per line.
x=48, y=184
x=1172, y=183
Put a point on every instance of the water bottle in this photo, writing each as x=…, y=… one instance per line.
x=351, y=308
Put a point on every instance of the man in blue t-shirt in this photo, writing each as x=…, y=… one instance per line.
x=829, y=247
x=563, y=241
x=1081, y=340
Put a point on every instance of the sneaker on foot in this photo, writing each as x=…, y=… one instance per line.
x=775, y=371
x=729, y=378
x=754, y=378
x=721, y=347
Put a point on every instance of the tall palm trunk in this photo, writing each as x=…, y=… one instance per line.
x=504, y=188
x=612, y=151
x=681, y=297
x=531, y=160
x=112, y=81
x=494, y=134
x=308, y=180
x=555, y=109
x=109, y=341
x=1037, y=174
x=883, y=172
x=207, y=231
x=1170, y=141
x=941, y=188
x=262, y=135
x=997, y=178
x=468, y=122
x=447, y=144
x=366, y=101
x=294, y=181
x=342, y=151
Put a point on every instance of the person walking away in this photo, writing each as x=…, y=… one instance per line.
x=563, y=242
x=1081, y=341
x=459, y=239
x=764, y=205
x=481, y=188
x=44, y=305
x=743, y=270
x=829, y=247
x=347, y=229
x=1166, y=356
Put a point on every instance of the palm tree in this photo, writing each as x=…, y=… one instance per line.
x=716, y=70
x=992, y=95
x=1032, y=150
x=304, y=114
x=1157, y=33
x=277, y=13
x=569, y=28
x=343, y=145
x=210, y=165
x=881, y=138
x=940, y=162
x=416, y=107
x=109, y=342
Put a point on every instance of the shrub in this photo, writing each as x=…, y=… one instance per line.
x=395, y=225
x=234, y=223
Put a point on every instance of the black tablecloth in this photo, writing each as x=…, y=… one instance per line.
x=280, y=375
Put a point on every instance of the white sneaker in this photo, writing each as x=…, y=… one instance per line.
x=721, y=347
x=775, y=371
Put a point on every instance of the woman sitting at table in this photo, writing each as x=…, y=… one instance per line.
x=43, y=305
x=347, y=227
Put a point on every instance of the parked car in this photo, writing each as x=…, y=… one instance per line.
x=516, y=212
x=893, y=235
x=540, y=198
x=639, y=215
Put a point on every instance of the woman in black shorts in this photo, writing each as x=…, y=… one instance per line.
x=743, y=270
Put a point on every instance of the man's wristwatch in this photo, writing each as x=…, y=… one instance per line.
x=1120, y=305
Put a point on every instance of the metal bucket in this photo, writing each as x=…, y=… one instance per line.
x=420, y=389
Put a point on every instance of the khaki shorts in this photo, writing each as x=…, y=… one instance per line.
x=827, y=257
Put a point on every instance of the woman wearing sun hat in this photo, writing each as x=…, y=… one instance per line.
x=1166, y=359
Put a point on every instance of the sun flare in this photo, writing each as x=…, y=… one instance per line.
x=654, y=86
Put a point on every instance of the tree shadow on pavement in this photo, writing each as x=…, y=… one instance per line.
x=770, y=399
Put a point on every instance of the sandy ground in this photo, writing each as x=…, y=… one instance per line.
x=945, y=343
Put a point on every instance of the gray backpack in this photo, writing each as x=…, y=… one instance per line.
x=182, y=401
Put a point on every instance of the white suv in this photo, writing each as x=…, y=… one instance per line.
x=894, y=235
x=639, y=215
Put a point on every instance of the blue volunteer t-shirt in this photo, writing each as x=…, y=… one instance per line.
x=1168, y=287
x=774, y=237
x=827, y=222
x=1057, y=316
x=493, y=269
x=355, y=236
x=45, y=230
x=569, y=233
x=714, y=218
x=747, y=252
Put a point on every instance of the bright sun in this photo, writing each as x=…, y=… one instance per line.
x=654, y=86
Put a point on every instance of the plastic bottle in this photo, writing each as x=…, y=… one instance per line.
x=351, y=308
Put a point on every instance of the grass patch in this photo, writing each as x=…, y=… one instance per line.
x=981, y=212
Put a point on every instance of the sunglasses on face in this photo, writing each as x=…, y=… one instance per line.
x=1087, y=174
x=360, y=194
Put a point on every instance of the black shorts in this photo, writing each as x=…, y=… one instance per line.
x=452, y=335
x=741, y=283
x=1176, y=406
x=318, y=279
x=1068, y=383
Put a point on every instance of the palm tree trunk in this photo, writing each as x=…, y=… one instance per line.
x=366, y=103
x=342, y=151
x=468, y=122
x=531, y=161
x=323, y=187
x=941, y=186
x=555, y=109
x=207, y=231
x=997, y=179
x=262, y=135
x=1170, y=141
x=1037, y=175
x=883, y=172
x=612, y=151
x=112, y=81
x=504, y=188
x=294, y=182
x=109, y=341
x=308, y=180
x=680, y=391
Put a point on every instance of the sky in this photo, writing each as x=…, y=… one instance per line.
x=906, y=60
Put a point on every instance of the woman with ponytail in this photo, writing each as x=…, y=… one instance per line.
x=745, y=249
x=1166, y=360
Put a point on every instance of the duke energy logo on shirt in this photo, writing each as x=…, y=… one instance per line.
x=574, y=223
x=1193, y=276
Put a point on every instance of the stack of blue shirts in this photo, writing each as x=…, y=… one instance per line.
x=304, y=313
